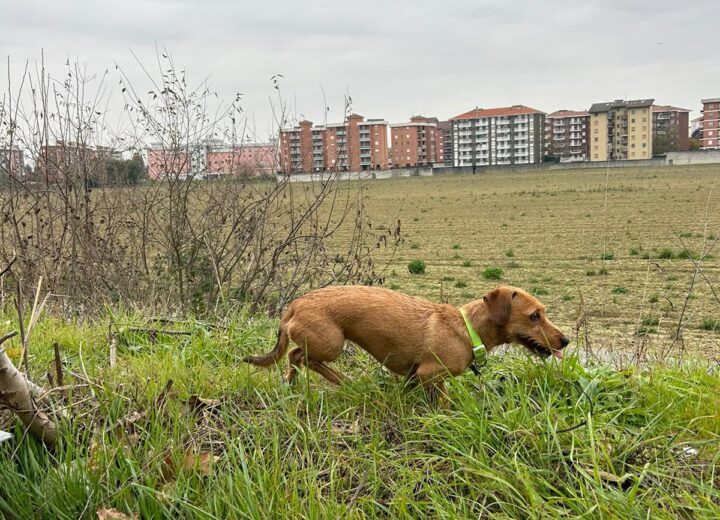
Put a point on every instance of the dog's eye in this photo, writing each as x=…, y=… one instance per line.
x=535, y=316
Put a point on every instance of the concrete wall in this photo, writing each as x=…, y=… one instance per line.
x=694, y=157
x=672, y=159
x=550, y=166
x=426, y=171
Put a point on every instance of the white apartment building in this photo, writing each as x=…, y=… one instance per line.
x=498, y=136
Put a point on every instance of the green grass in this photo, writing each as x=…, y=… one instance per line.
x=417, y=267
x=492, y=273
x=710, y=324
x=367, y=448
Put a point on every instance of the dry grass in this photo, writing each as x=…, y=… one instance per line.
x=559, y=226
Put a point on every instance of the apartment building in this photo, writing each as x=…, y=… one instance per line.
x=497, y=136
x=710, y=124
x=621, y=130
x=12, y=162
x=444, y=144
x=696, y=127
x=354, y=145
x=567, y=135
x=414, y=143
x=67, y=159
x=670, y=129
x=212, y=158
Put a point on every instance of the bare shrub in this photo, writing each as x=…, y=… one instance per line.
x=178, y=240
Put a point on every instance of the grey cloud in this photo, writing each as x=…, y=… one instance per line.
x=395, y=58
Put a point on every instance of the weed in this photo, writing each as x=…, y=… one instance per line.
x=710, y=324
x=492, y=273
x=416, y=267
x=620, y=290
x=665, y=253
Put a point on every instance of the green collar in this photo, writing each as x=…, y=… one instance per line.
x=478, y=347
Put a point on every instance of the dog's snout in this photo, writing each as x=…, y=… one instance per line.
x=564, y=341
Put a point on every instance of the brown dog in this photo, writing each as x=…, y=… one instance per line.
x=411, y=336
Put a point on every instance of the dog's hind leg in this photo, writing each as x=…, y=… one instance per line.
x=328, y=372
x=315, y=349
x=296, y=357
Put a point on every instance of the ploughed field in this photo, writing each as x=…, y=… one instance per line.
x=602, y=247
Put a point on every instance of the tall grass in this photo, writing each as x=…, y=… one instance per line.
x=365, y=449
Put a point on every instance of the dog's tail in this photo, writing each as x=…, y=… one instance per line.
x=275, y=354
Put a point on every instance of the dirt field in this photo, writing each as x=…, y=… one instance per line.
x=600, y=240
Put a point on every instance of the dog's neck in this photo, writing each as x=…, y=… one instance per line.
x=479, y=317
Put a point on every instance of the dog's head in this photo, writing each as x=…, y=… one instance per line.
x=520, y=318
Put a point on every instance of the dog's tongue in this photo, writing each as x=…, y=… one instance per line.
x=558, y=354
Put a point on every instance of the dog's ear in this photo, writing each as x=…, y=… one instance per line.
x=498, y=303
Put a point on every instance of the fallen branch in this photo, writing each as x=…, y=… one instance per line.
x=16, y=394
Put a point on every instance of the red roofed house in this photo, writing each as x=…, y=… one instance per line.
x=497, y=136
x=567, y=135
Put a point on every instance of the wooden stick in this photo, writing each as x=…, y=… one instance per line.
x=21, y=321
x=16, y=394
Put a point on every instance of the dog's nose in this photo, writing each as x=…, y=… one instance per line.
x=564, y=342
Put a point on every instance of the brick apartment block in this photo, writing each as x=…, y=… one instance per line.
x=354, y=145
x=710, y=124
x=671, y=130
x=495, y=136
x=567, y=135
x=414, y=143
x=621, y=130
x=67, y=158
x=444, y=144
x=12, y=162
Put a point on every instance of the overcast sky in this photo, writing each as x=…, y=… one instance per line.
x=395, y=58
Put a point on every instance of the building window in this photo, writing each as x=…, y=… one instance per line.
x=596, y=139
x=632, y=120
x=632, y=145
x=644, y=145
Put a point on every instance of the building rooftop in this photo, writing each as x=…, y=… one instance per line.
x=568, y=113
x=668, y=108
x=620, y=103
x=515, y=110
x=710, y=100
